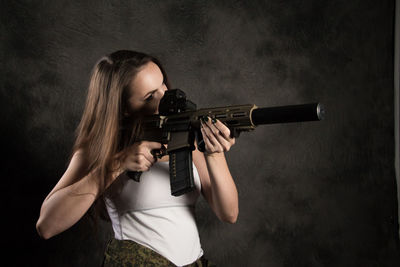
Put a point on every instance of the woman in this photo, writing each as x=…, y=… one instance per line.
x=150, y=225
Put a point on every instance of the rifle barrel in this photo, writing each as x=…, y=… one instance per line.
x=293, y=113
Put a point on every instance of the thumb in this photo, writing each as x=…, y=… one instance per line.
x=153, y=145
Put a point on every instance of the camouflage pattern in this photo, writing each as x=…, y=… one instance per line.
x=126, y=253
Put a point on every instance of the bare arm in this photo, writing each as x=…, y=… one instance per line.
x=69, y=200
x=218, y=186
x=78, y=189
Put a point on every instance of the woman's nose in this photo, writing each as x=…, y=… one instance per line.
x=163, y=92
x=157, y=107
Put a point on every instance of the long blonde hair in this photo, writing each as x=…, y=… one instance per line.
x=105, y=128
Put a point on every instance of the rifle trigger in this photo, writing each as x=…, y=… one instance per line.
x=159, y=153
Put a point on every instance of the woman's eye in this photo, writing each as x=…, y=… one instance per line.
x=149, y=98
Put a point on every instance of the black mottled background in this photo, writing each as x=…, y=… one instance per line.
x=311, y=194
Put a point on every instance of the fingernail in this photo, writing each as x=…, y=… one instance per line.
x=207, y=118
x=214, y=120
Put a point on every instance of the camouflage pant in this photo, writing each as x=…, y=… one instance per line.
x=124, y=253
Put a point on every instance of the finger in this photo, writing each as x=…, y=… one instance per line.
x=147, y=148
x=155, y=149
x=222, y=140
x=209, y=134
x=213, y=129
x=141, y=158
x=139, y=166
x=209, y=147
x=216, y=146
x=145, y=165
x=146, y=154
x=224, y=131
x=142, y=167
x=225, y=144
x=153, y=145
x=219, y=129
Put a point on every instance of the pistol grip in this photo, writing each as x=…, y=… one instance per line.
x=134, y=175
x=157, y=153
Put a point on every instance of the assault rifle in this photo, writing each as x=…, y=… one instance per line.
x=178, y=125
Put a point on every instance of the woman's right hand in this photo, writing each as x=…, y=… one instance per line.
x=138, y=157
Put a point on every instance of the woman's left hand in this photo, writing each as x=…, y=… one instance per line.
x=216, y=136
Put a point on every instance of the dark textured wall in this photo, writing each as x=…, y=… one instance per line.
x=311, y=194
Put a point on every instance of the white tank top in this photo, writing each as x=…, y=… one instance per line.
x=148, y=214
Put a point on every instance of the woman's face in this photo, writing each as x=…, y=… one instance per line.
x=146, y=90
